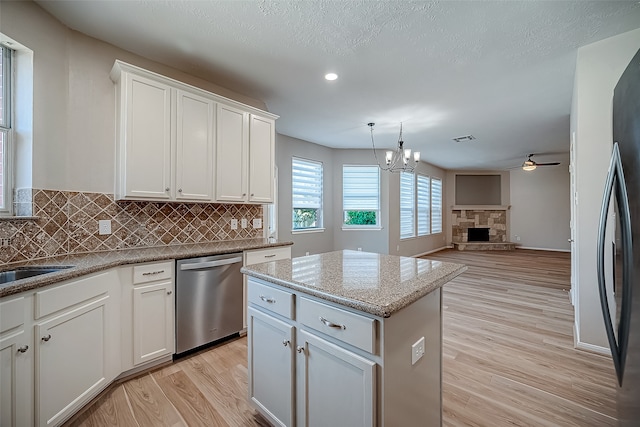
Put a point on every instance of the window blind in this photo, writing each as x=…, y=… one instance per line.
x=407, y=205
x=423, y=214
x=436, y=205
x=361, y=188
x=306, y=197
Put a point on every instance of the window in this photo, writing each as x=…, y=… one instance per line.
x=407, y=205
x=306, y=184
x=5, y=130
x=436, y=205
x=423, y=220
x=361, y=196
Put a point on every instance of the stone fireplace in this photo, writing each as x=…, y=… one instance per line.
x=480, y=228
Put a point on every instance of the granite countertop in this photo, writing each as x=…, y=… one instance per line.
x=92, y=262
x=373, y=283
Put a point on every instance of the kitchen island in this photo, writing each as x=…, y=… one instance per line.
x=347, y=338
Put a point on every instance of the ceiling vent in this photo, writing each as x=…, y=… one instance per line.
x=465, y=138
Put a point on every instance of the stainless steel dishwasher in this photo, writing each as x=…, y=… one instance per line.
x=208, y=300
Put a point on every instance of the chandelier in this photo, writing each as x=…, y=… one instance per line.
x=398, y=160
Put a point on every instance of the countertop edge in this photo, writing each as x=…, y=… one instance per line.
x=119, y=258
x=369, y=308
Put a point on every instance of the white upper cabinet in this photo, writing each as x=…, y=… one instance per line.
x=194, y=147
x=232, y=138
x=144, y=150
x=171, y=136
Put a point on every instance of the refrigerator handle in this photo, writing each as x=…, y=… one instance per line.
x=615, y=182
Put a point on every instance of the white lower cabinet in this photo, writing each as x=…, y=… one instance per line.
x=16, y=362
x=298, y=377
x=152, y=322
x=271, y=370
x=334, y=386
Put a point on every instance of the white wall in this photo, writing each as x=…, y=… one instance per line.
x=74, y=99
x=540, y=208
x=598, y=69
x=312, y=242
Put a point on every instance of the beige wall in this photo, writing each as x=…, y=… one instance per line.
x=74, y=99
x=598, y=69
x=540, y=208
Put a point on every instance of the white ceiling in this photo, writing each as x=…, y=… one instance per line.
x=502, y=71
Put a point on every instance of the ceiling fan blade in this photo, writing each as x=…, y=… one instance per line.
x=548, y=164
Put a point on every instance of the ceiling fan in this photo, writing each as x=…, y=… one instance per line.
x=530, y=165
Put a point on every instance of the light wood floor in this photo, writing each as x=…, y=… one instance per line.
x=508, y=359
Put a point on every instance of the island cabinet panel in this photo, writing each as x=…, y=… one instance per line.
x=335, y=387
x=271, y=367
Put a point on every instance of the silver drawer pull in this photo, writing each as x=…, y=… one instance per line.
x=270, y=256
x=23, y=349
x=151, y=273
x=330, y=324
x=46, y=338
x=267, y=299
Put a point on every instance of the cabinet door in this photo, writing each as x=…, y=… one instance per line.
x=261, y=159
x=194, y=147
x=147, y=142
x=71, y=362
x=152, y=321
x=16, y=364
x=232, y=126
x=270, y=366
x=334, y=386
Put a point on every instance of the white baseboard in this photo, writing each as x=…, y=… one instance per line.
x=432, y=251
x=593, y=348
x=543, y=249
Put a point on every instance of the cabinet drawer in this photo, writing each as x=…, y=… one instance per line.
x=152, y=272
x=280, y=302
x=354, y=329
x=11, y=314
x=264, y=255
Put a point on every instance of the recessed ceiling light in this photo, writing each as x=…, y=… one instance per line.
x=331, y=76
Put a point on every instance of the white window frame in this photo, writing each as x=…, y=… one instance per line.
x=348, y=199
x=423, y=205
x=316, y=204
x=436, y=206
x=407, y=205
x=6, y=204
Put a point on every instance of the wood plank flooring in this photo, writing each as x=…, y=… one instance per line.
x=508, y=359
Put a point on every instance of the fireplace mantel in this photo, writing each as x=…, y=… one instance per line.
x=480, y=207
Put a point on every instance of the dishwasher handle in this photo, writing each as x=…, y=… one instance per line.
x=209, y=264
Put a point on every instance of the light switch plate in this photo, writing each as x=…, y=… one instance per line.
x=417, y=351
x=234, y=224
x=104, y=226
x=257, y=223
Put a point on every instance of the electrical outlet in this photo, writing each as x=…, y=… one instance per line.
x=417, y=351
x=360, y=249
x=243, y=222
x=517, y=238
x=306, y=254
x=104, y=226
x=257, y=223
x=5, y=242
x=234, y=224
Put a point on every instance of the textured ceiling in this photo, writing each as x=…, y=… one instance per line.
x=502, y=71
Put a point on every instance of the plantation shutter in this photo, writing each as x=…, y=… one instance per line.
x=423, y=205
x=407, y=203
x=436, y=205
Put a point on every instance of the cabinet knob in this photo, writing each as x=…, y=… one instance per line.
x=285, y=343
x=169, y=292
x=179, y=190
x=244, y=194
x=166, y=189
x=46, y=338
x=300, y=349
x=251, y=194
x=23, y=349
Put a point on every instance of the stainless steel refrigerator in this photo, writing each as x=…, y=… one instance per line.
x=619, y=245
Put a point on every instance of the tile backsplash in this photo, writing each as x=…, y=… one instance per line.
x=67, y=222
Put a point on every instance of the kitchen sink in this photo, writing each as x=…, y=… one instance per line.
x=24, y=272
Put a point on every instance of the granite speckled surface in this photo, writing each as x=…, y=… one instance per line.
x=372, y=283
x=92, y=262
